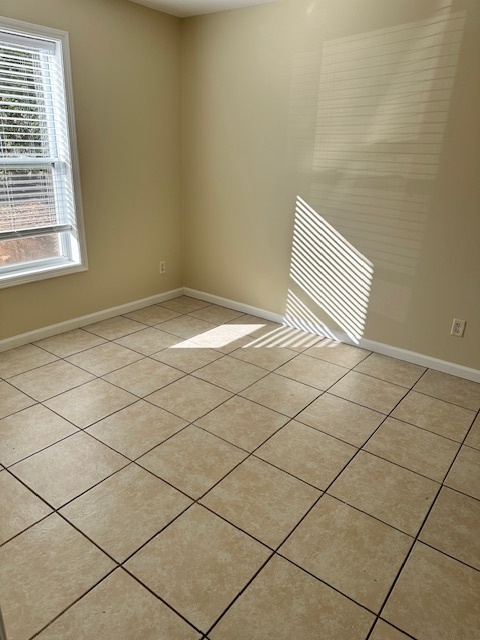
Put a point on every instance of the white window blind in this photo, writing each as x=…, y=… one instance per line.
x=40, y=230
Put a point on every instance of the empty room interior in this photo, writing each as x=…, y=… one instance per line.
x=240, y=319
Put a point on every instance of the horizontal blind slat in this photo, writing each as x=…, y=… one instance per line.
x=48, y=108
x=9, y=39
x=35, y=231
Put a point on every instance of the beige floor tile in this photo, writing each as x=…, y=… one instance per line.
x=152, y=315
x=125, y=510
x=119, y=607
x=349, y=550
x=189, y=398
x=450, y=388
x=230, y=374
x=435, y=415
x=392, y=370
x=114, y=328
x=384, y=631
x=261, y=500
x=473, y=437
x=248, y=318
x=281, y=394
x=192, y=460
x=413, y=448
x=216, y=314
x=465, y=472
x=368, y=391
x=221, y=338
x=258, y=327
x=50, y=380
x=453, y=526
x=266, y=357
x=44, y=570
x=149, y=341
x=292, y=338
x=306, y=453
x=186, y=327
x=285, y=602
x=352, y=539
x=435, y=598
x=21, y=359
x=337, y=353
x=386, y=491
x=340, y=418
x=68, y=468
x=70, y=342
x=199, y=579
x=264, y=334
x=30, y=430
x=19, y=507
x=143, y=377
x=187, y=360
x=242, y=422
x=91, y=402
x=312, y=371
x=136, y=429
x=13, y=400
x=184, y=304
x=104, y=358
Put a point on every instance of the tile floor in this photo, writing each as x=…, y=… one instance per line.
x=186, y=471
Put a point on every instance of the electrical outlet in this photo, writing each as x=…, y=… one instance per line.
x=163, y=267
x=458, y=328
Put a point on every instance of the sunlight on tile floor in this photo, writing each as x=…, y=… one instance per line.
x=186, y=471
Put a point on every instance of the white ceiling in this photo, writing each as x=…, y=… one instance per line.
x=185, y=8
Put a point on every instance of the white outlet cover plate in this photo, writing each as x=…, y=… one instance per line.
x=458, y=328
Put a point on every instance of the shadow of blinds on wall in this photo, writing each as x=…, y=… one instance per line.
x=332, y=273
x=382, y=110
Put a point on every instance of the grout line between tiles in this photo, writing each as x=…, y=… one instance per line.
x=465, y=564
x=312, y=575
x=68, y=355
x=405, y=633
x=180, y=615
x=123, y=335
x=240, y=593
x=467, y=495
x=37, y=633
x=435, y=433
x=76, y=386
x=32, y=368
x=403, y=467
x=289, y=534
x=116, y=562
x=417, y=540
x=377, y=377
x=453, y=404
x=30, y=455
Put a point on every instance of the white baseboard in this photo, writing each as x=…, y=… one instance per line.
x=422, y=360
x=378, y=347
x=371, y=345
x=82, y=321
x=236, y=306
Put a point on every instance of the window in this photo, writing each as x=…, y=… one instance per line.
x=41, y=232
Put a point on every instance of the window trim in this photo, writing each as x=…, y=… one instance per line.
x=58, y=269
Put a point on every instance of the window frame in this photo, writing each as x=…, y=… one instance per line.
x=22, y=273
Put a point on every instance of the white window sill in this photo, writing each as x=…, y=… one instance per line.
x=33, y=275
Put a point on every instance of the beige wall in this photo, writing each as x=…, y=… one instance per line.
x=125, y=65
x=369, y=111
